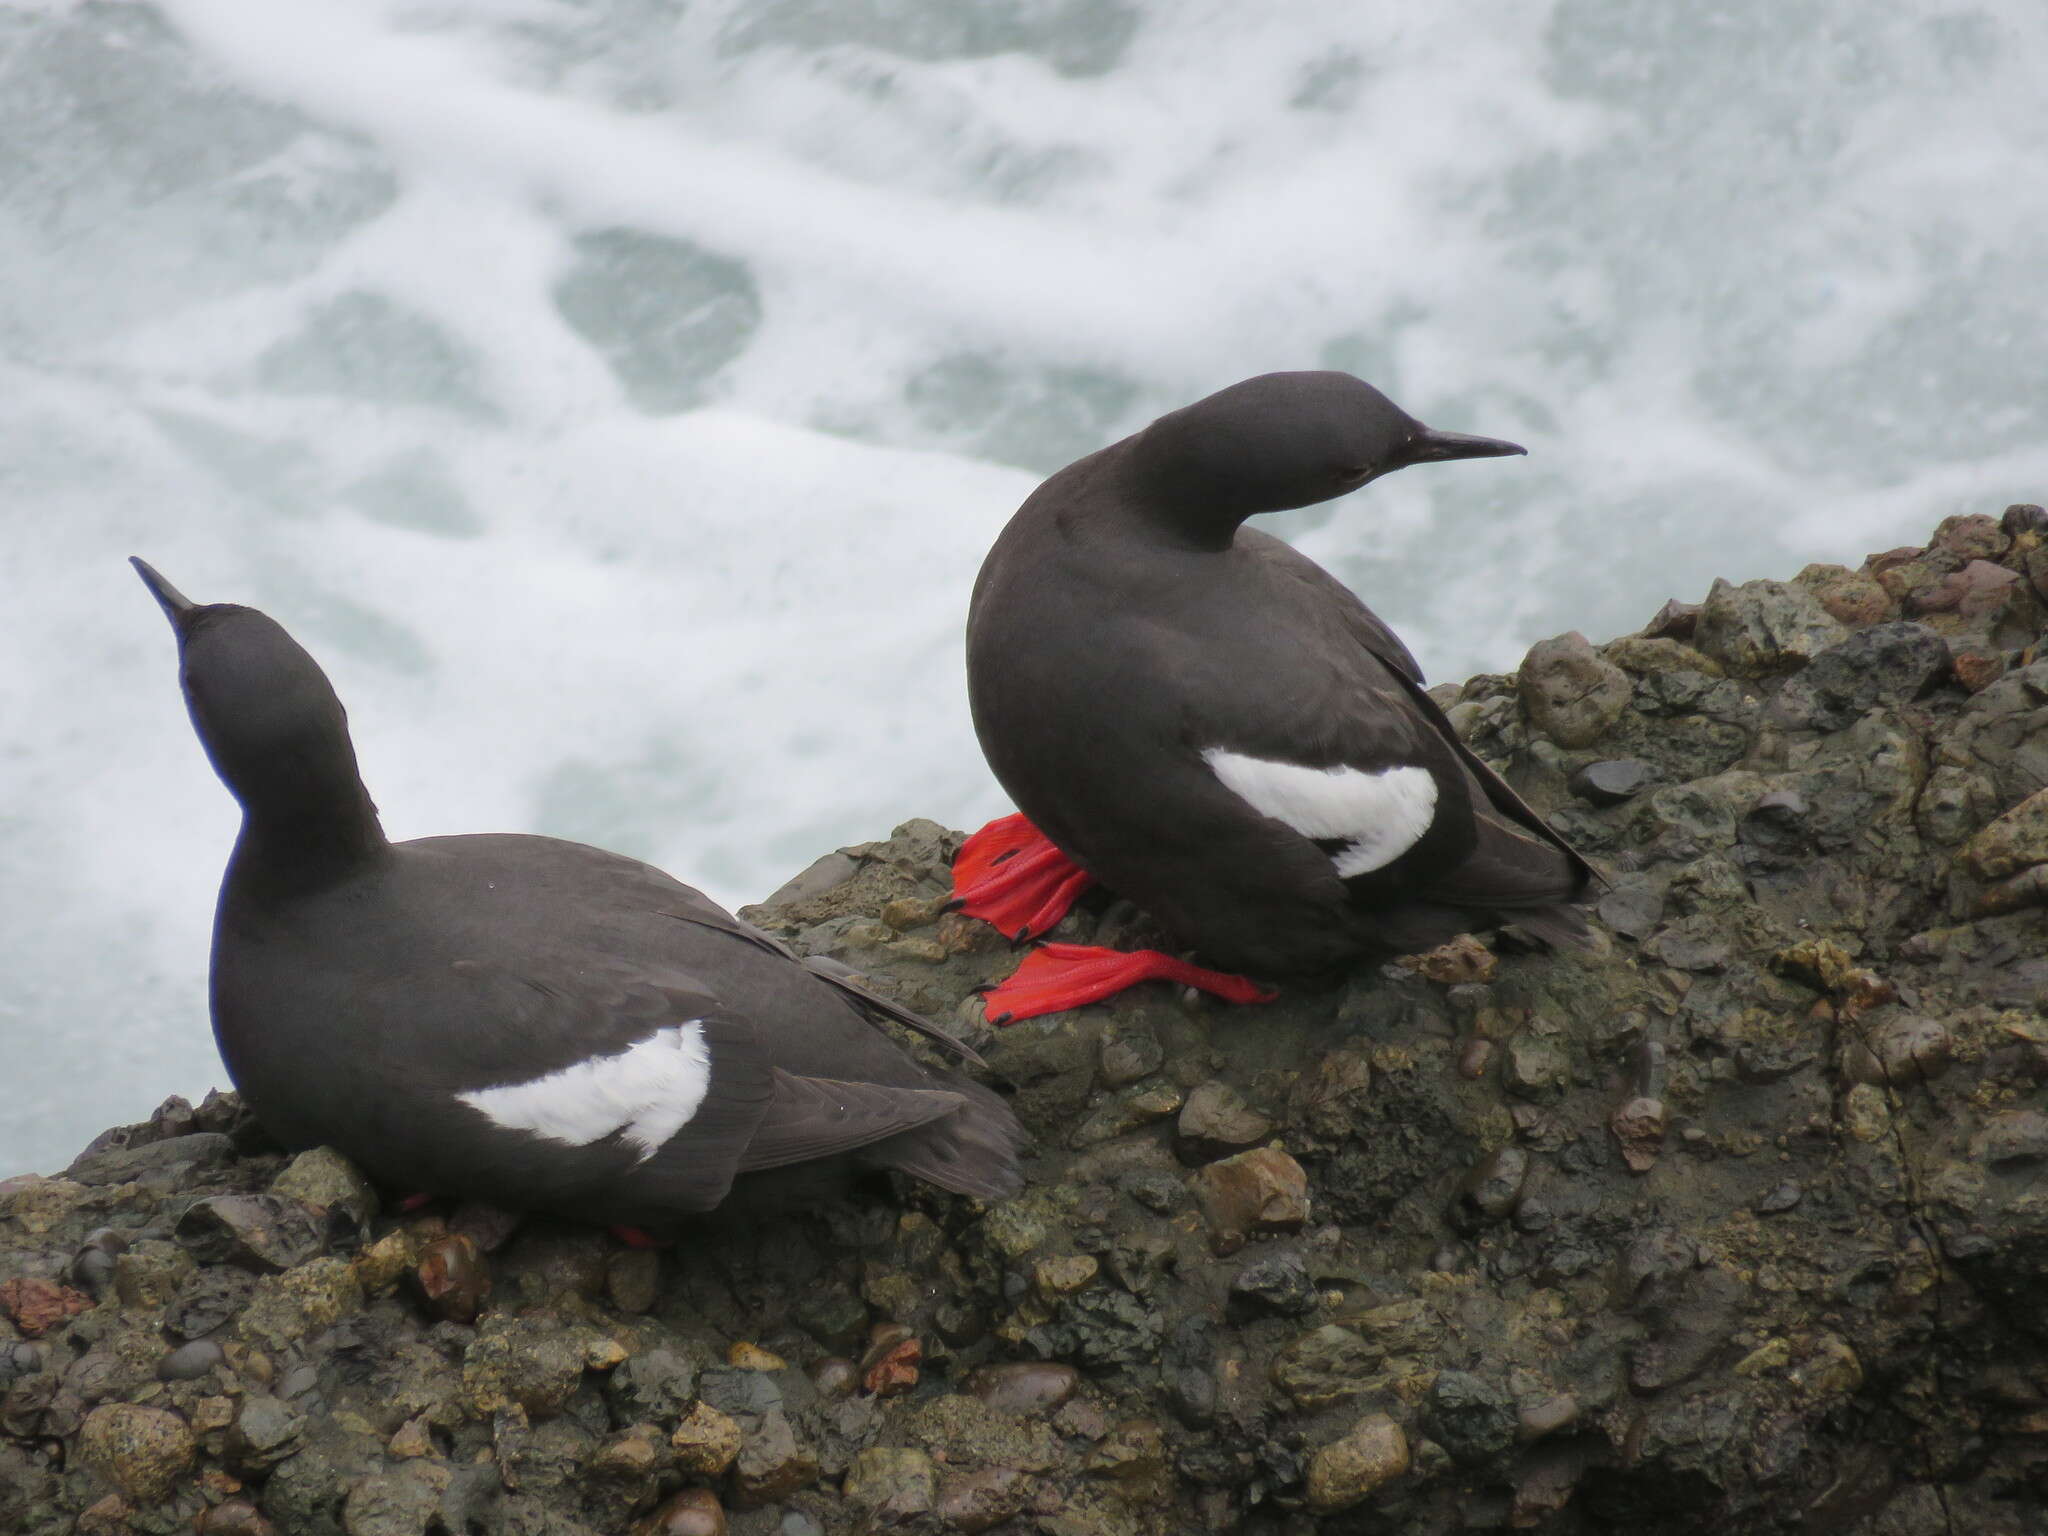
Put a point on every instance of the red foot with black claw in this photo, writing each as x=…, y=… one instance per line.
x=1011, y=876
x=1058, y=976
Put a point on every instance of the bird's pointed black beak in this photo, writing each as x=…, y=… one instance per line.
x=1432, y=447
x=175, y=604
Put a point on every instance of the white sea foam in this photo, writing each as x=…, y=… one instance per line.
x=618, y=396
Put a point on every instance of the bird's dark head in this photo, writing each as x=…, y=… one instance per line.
x=264, y=711
x=1283, y=440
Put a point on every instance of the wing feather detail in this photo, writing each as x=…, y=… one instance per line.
x=1377, y=815
x=645, y=1093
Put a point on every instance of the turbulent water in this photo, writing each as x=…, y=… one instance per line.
x=617, y=395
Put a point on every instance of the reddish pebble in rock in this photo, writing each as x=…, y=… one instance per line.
x=1850, y=597
x=1977, y=670
x=895, y=1370
x=453, y=1278
x=1638, y=1128
x=37, y=1306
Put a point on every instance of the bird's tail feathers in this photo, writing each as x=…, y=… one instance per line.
x=973, y=1151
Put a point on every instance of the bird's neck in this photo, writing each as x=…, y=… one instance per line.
x=1171, y=503
x=288, y=846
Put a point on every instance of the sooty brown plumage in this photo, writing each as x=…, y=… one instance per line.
x=1215, y=727
x=523, y=1020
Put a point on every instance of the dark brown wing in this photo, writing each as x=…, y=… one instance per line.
x=1385, y=646
x=812, y=1117
x=706, y=913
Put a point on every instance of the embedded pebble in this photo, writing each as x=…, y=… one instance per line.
x=145, y=1452
x=453, y=1278
x=1471, y=1416
x=1536, y=1067
x=1065, y=1275
x=37, y=1306
x=266, y=1430
x=329, y=1183
x=1128, y=1056
x=1273, y=1284
x=20, y=1359
x=834, y=1376
x=550, y=1260
x=891, y=1484
x=1783, y=1197
x=1904, y=1050
x=752, y=1357
x=411, y=1440
x=1349, y=1470
x=632, y=1279
x=705, y=1441
x=772, y=1464
x=1496, y=1180
x=234, y=1517
x=1572, y=693
x=2014, y=841
x=1263, y=1190
x=1023, y=1387
x=887, y=1370
x=190, y=1361
x=529, y=1360
x=92, y=1267
x=1638, y=1127
x=1464, y=961
x=1215, y=1122
x=974, y=1501
x=1611, y=781
x=693, y=1512
x=263, y=1233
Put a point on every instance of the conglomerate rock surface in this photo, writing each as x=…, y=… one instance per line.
x=1738, y=1225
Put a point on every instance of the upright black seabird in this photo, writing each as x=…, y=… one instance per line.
x=520, y=1020
x=1214, y=727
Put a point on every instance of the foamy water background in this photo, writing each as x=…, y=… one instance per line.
x=618, y=396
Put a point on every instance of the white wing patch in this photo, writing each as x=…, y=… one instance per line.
x=1380, y=815
x=649, y=1091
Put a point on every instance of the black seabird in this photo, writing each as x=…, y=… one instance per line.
x=1214, y=727
x=520, y=1020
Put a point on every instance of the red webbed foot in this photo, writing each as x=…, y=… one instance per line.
x=639, y=1237
x=1058, y=976
x=1011, y=876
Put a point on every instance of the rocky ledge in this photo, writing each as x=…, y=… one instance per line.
x=1740, y=1224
